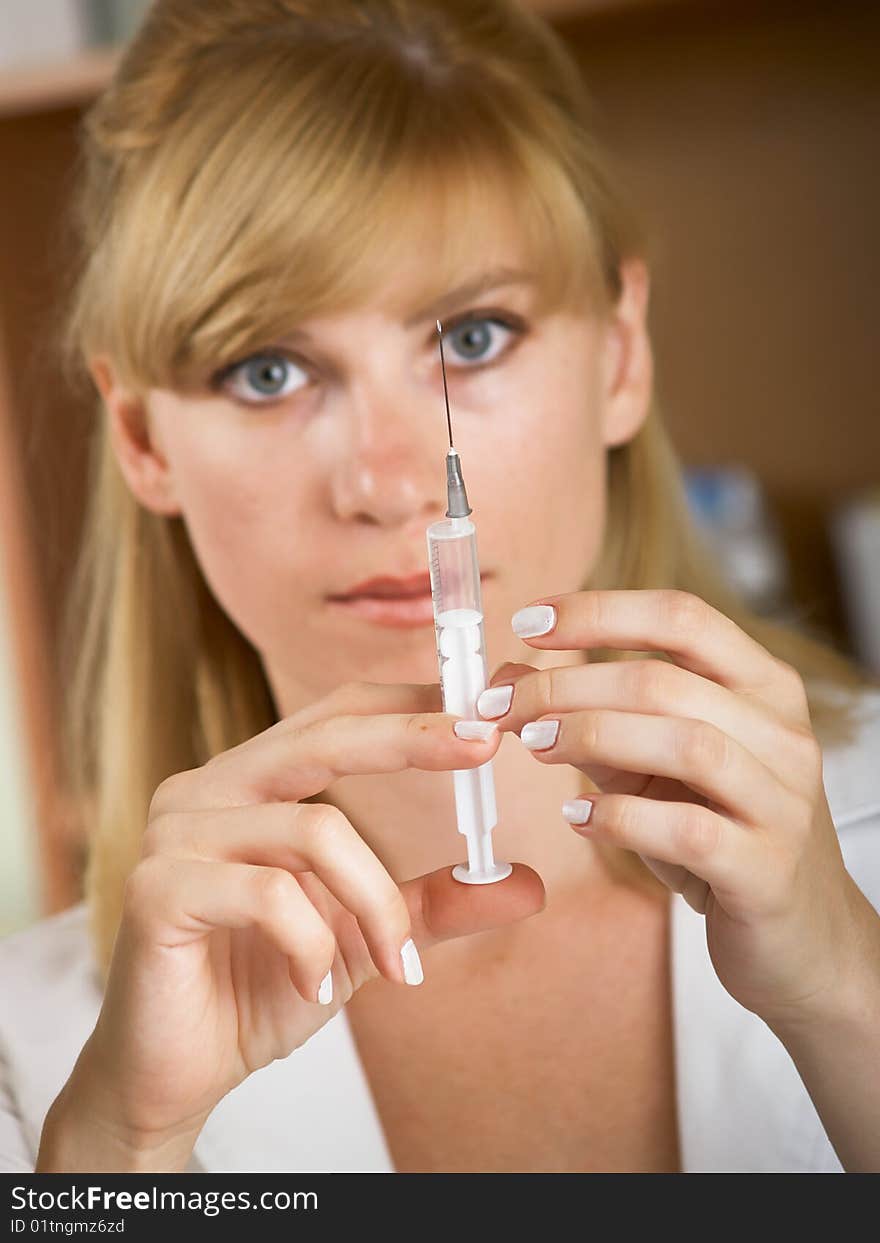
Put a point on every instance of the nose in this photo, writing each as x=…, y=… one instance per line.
x=392, y=465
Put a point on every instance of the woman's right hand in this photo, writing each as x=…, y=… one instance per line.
x=244, y=899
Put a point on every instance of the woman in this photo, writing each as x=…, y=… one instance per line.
x=280, y=201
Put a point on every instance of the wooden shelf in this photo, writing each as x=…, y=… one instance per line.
x=42, y=87
x=559, y=10
x=38, y=88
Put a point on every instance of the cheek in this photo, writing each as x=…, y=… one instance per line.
x=239, y=514
x=544, y=485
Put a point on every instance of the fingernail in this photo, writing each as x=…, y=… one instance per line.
x=537, y=619
x=538, y=735
x=325, y=991
x=495, y=701
x=412, y=964
x=577, y=811
x=480, y=730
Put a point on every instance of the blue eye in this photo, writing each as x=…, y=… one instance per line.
x=262, y=378
x=472, y=337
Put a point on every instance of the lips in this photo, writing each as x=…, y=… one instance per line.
x=388, y=588
x=401, y=603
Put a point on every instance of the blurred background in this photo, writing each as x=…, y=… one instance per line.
x=747, y=134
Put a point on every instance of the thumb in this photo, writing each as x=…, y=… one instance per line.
x=442, y=907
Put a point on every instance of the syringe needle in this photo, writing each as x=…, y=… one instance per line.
x=456, y=494
x=445, y=390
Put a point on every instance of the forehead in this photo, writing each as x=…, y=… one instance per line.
x=438, y=246
x=398, y=306
x=417, y=297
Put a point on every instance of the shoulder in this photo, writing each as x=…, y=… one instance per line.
x=852, y=769
x=51, y=946
x=851, y=774
x=729, y=1064
x=51, y=992
x=48, y=976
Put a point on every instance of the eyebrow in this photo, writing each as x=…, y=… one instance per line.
x=494, y=278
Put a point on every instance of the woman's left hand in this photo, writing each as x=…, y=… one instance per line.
x=709, y=769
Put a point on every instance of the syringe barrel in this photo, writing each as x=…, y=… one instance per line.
x=461, y=655
x=458, y=613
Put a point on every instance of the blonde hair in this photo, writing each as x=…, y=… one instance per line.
x=248, y=166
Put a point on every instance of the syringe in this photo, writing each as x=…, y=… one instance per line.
x=461, y=653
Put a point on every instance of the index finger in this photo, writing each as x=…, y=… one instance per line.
x=698, y=637
x=370, y=697
x=296, y=758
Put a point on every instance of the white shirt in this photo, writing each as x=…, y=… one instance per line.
x=741, y=1104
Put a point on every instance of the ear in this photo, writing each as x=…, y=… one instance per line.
x=134, y=441
x=628, y=358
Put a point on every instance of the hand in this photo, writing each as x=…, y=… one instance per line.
x=246, y=898
x=709, y=769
